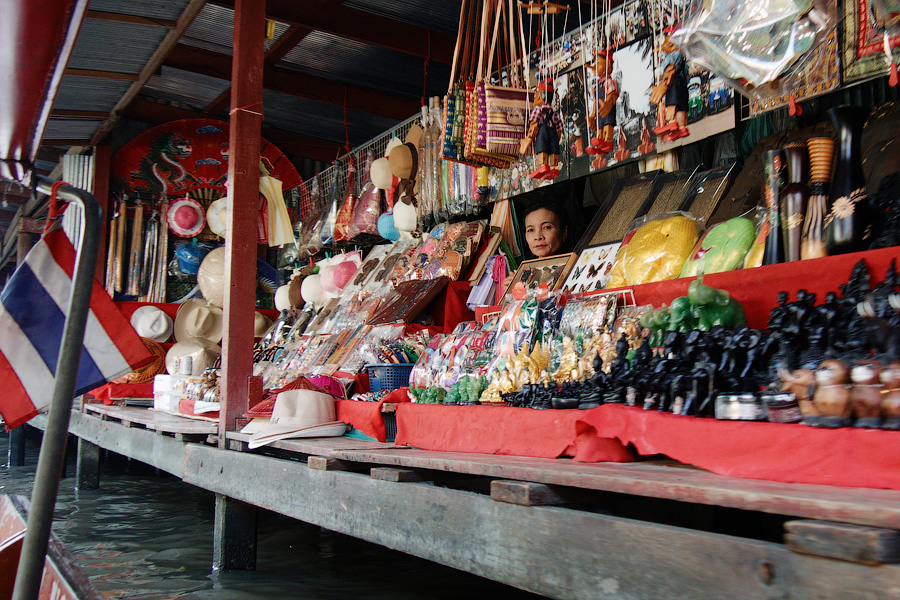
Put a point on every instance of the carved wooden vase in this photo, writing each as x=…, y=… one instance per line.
x=821, y=151
x=775, y=182
x=794, y=200
x=847, y=220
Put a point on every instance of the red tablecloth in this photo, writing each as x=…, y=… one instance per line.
x=790, y=453
x=502, y=430
x=366, y=416
x=106, y=392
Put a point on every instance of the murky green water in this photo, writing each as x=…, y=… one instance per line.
x=144, y=535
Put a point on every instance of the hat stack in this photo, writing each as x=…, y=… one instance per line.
x=198, y=331
x=151, y=322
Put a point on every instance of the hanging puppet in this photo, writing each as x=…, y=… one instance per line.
x=544, y=132
x=671, y=90
x=604, y=91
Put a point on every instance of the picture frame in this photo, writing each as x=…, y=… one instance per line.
x=669, y=190
x=591, y=271
x=706, y=192
x=622, y=205
x=552, y=270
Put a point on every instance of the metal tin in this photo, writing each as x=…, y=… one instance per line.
x=782, y=408
x=740, y=407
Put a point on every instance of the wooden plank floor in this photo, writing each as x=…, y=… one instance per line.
x=153, y=419
x=656, y=479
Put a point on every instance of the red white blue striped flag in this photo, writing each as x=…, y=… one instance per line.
x=33, y=309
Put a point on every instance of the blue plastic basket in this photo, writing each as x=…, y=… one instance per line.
x=388, y=376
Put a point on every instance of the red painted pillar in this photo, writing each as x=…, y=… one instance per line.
x=243, y=175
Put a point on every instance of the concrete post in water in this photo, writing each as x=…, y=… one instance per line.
x=87, y=470
x=235, y=535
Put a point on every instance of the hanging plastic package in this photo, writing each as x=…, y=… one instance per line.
x=280, y=231
x=326, y=222
x=757, y=48
x=345, y=213
x=368, y=205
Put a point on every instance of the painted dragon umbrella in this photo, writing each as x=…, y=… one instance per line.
x=188, y=157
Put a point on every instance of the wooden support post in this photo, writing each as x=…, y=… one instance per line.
x=87, y=469
x=243, y=175
x=525, y=493
x=854, y=543
x=235, y=535
x=101, y=193
x=15, y=455
x=398, y=475
x=235, y=522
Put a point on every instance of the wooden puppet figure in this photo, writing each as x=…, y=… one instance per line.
x=544, y=132
x=601, y=117
x=672, y=91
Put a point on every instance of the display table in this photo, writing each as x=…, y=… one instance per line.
x=789, y=453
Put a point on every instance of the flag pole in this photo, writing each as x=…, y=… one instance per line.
x=53, y=448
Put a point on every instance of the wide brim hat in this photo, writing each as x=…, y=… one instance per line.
x=261, y=324
x=300, y=413
x=216, y=216
x=185, y=217
x=197, y=319
x=153, y=323
x=211, y=277
x=203, y=355
x=404, y=161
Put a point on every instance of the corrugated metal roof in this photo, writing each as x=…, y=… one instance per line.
x=191, y=88
x=440, y=16
x=320, y=120
x=353, y=62
x=117, y=47
x=89, y=93
x=213, y=29
x=160, y=9
x=70, y=129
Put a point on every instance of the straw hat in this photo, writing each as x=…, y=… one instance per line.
x=216, y=216
x=261, y=324
x=185, y=217
x=151, y=322
x=150, y=370
x=300, y=413
x=211, y=277
x=197, y=319
x=203, y=355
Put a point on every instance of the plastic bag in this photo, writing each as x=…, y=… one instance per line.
x=754, y=256
x=654, y=249
x=754, y=46
x=366, y=211
x=722, y=248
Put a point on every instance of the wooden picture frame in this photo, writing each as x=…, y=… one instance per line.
x=706, y=193
x=591, y=271
x=622, y=205
x=552, y=270
x=669, y=191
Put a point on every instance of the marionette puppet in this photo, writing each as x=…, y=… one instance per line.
x=544, y=132
x=672, y=91
x=601, y=119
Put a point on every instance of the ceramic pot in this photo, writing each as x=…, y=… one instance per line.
x=848, y=218
x=775, y=183
x=794, y=200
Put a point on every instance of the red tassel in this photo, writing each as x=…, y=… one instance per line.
x=795, y=110
x=892, y=80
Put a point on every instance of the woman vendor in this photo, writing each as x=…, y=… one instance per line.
x=545, y=230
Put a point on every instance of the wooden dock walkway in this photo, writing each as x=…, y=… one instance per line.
x=555, y=527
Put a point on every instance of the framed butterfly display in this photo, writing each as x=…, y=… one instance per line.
x=551, y=270
x=591, y=270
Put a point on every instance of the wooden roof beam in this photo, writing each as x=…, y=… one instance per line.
x=286, y=81
x=184, y=21
x=100, y=15
x=362, y=26
x=103, y=74
x=290, y=143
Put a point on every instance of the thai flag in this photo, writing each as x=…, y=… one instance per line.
x=33, y=309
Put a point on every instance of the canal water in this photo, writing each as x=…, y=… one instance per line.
x=146, y=535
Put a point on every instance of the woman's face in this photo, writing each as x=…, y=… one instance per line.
x=543, y=233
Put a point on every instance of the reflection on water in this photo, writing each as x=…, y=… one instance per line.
x=146, y=536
